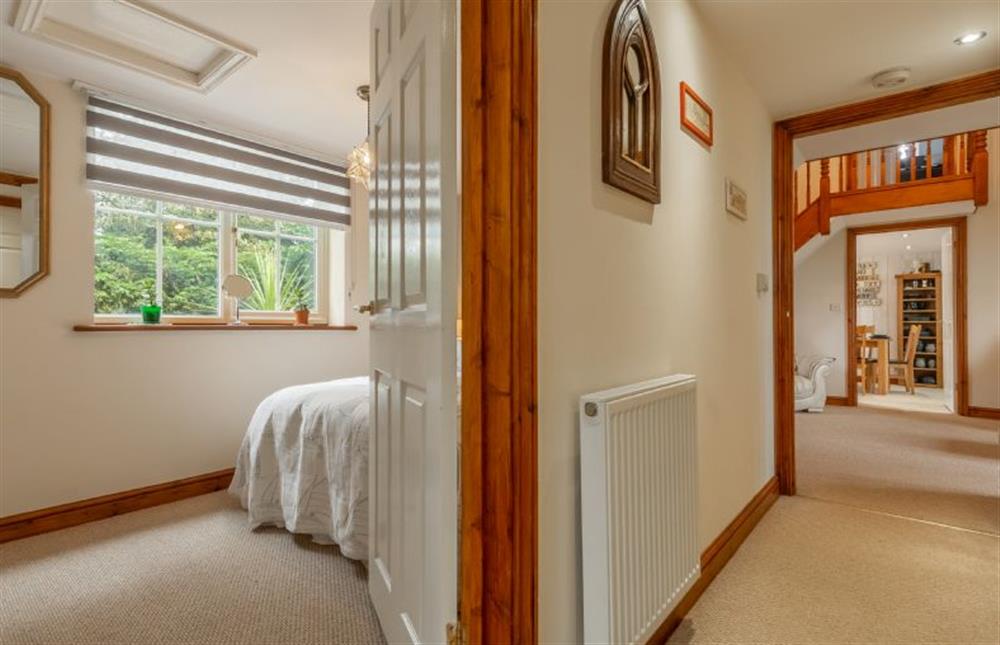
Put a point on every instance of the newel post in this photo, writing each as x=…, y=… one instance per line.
x=980, y=168
x=824, y=196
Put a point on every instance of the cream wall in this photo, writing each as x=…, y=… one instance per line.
x=820, y=309
x=984, y=290
x=628, y=291
x=89, y=414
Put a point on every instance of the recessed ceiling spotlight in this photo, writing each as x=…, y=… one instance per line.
x=971, y=37
x=891, y=77
x=909, y=248
x=905, y=235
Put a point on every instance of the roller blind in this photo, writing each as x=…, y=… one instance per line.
x=134, y=149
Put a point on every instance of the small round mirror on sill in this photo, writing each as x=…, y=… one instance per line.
x=24, y=184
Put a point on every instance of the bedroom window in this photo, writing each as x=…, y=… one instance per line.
x=175, y=254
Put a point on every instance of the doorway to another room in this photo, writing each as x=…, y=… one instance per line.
x=904, y=295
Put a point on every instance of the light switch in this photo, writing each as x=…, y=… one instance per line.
x=835, y=306
x=762, y=283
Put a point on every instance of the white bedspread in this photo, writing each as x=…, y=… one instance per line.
x=303, y=464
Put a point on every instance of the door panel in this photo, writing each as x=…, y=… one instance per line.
x=413, y=237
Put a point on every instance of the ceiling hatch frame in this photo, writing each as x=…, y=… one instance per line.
x=34, y=19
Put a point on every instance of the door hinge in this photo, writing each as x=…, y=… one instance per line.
x=456, y=633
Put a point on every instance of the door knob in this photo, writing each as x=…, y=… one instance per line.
x=365, y=309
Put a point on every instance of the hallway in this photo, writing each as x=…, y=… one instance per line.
x=894, y=538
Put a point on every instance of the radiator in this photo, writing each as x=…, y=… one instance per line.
x=639, y=499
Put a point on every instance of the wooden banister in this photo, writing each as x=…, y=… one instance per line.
x=980, y=169
x=964, y=174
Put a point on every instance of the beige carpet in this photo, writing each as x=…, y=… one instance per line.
x=189, y=572
x=928, y=466
x=816, y=572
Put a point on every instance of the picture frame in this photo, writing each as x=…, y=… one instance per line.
x=736, y=200
x=696, y=115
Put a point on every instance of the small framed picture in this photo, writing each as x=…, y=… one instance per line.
x=696, y=115
x=736, y=200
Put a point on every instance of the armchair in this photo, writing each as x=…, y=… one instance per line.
x=810, y=383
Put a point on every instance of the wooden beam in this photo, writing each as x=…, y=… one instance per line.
x=10, y=201
x=933, y=97
x=14, y=179
x=499, y=513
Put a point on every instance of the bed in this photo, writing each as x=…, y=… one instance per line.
x=303, y=463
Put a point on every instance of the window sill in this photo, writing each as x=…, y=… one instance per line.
x=210, y=327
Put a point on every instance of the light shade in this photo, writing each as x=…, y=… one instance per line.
x=359, y=164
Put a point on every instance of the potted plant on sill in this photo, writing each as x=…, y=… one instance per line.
x=301, y=313
x=151, y=312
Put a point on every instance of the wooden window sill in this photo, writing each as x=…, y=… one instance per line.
x=210, y=327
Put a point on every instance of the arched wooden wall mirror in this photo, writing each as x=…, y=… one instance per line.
x=24, y=184
x=631, y=103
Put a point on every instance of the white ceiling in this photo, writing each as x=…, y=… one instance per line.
x=298, y=93
x=925, y=240
x=807, y=55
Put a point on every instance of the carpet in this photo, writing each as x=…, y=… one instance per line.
x=938, y=468
x=816, y=572
x=189, y=572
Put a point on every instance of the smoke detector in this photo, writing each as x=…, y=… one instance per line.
x=891, y=77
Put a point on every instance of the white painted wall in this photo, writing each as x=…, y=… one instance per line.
x=820, y=309
x=89, y=414
x=984, y=290
x=628, y=291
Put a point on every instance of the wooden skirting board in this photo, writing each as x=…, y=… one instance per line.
x=718, y=553
x=15, y=527
x=984, y=413
x=836, y=400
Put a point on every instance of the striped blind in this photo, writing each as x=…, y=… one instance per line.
x=134, y=149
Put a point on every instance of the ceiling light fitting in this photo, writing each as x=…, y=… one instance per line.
x=359, y=162
x=891, y=77
x=969, y=38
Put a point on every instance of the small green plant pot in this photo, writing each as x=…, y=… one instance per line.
x=151, y=314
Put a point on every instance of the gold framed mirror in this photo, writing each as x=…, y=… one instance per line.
x=24, y=184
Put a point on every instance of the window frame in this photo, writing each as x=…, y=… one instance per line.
x=228, y=238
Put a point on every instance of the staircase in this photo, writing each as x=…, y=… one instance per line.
x=934, y=171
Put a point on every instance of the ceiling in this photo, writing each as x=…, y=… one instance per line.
x=804, y=56
x=298, y=93
x=925, y=240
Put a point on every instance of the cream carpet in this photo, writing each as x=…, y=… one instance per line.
x=927, y=466
x=189, y=572
x=816, y=572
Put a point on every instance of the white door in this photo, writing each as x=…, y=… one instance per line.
x=413, y=237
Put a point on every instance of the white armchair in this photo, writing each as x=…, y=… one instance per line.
x=810, y=383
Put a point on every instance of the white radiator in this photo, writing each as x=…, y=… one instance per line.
x=639, y=500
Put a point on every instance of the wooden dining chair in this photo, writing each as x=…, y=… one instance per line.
x=864, y=360
x=901, y=369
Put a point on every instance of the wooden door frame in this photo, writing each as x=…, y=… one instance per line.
x=498, y=453
x=963, y=90
x=960, y=267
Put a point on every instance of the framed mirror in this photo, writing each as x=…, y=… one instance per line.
x=24, y=184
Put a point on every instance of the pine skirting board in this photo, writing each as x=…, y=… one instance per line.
x=984, y=413
x=718, y=553
x=836, y=400
x=15, y=527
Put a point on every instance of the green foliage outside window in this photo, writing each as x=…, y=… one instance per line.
x=278, y=257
